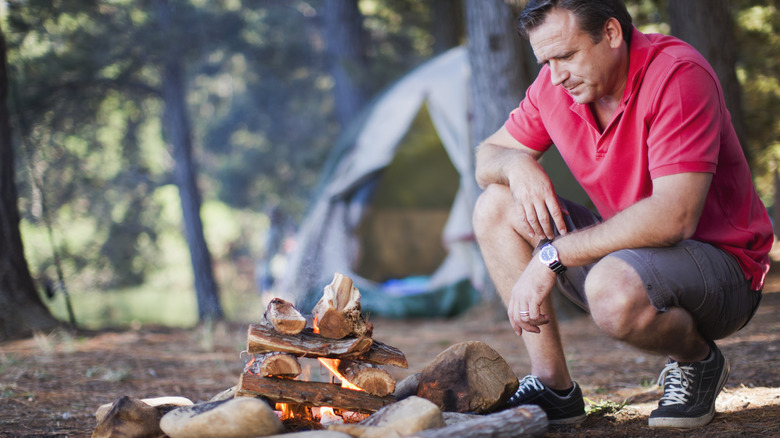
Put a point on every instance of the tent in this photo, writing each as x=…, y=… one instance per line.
x=348, y=229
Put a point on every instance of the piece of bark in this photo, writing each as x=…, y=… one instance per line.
x=129, y=417
x=525, y=421
x=468, y=377
x=275, y=364
x=262, y=339
x=310, y=393
x=383, y=354
x=284, y=317
x=368, y=377
x=362, y=431
x=163, y=404
x=224, y=395
x=338, y=314
x=407, y=387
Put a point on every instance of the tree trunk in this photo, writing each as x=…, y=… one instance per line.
x=346, y=53
x=707, y=26
x=447, y=25
x=177, y=127
x=21, y=308
x=500, y=67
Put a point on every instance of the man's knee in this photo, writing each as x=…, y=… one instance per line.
x=617, y=299
x=492, y=209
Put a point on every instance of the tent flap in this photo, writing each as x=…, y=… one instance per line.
x=326, y=242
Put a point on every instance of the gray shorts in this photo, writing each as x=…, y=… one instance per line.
x=696, y=276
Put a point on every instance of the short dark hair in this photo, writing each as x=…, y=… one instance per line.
x=591, y=15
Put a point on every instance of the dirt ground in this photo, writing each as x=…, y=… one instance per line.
x=51, y=384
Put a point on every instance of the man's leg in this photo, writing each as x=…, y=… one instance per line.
x=506, y=251
x=675, y=301
x=621, y=308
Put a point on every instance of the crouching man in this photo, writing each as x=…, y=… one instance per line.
x=677, y=256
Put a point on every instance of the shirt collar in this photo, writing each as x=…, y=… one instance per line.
x=640, y=51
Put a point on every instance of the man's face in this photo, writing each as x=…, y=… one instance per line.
x=586, y=70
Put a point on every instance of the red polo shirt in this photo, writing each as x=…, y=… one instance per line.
x=672, y=119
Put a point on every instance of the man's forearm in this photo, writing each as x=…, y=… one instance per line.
x=664, y=219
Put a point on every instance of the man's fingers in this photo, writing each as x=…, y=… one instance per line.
x=543, y=217
x=537, y=222
x=557, y=216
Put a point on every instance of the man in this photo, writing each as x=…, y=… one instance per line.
x=680, y=256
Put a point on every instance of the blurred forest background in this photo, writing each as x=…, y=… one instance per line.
x=154, y=139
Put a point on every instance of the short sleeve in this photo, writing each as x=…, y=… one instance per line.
x=525, y=122
x=684, y=135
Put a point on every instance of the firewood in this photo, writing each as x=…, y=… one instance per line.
x=526, y=421
x=473, y=370
x=284, y=317
x=338, y=314
x=383, y=354
x=310, y=393
x=276, y=364
x=262, y=339
x=368, y=377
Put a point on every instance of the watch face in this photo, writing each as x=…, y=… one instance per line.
x=548, y=254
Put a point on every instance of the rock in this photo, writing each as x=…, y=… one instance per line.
x=468, y=377
x=407, y=417
x=127, y=417
x=234, y=418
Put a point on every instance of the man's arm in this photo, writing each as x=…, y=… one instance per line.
x=670, y=215
x=503, y=160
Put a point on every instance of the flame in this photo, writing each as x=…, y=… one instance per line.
x=333, y=366
x=285, y=409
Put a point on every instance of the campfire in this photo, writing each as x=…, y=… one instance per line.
x=341, y=340
x=276, y=394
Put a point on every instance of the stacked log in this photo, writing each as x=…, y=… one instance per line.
x=339, y=333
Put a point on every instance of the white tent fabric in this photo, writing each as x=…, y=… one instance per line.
x=326, y=242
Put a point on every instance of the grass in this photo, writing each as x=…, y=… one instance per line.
x=603, y=407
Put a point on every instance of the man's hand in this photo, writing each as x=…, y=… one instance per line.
x=503, y=160
x=529, y=292
x=537, y=204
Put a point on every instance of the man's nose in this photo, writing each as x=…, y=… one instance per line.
x=557, y=73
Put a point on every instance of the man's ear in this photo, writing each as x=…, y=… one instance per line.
x=613, y=32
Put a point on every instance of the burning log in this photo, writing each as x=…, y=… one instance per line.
x=261, y=339
x=368, y=377
x=298, y=392
x=337, y=314
x=284, y=317
x=275, y=364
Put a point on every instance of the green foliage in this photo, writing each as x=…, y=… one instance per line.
x=94, y=165
x=758, y=24
x=603, y=407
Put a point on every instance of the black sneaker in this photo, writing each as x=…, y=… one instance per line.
x=690, y=391
x=569, y=409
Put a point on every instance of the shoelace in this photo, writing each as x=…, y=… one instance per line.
x=675, y=380
x=528, y=383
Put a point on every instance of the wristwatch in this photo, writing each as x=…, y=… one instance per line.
x=549, y=256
